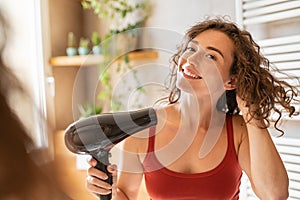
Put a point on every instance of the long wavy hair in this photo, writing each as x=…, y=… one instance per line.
x=261, y=91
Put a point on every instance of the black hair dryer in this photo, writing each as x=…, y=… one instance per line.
x=96, y=135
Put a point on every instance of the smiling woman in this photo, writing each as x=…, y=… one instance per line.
x=241, y=59
x=208, y=53
x=198, y=144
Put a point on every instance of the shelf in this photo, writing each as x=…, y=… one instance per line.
x=90, y=60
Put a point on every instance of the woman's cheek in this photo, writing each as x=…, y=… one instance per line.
x=183, y=84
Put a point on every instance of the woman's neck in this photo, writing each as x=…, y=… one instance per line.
x=196, y=110
x=201, y=115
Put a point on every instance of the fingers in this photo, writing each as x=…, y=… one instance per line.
x=98, y=186
x=97, y=173
x=95, y=181
x=92, y=161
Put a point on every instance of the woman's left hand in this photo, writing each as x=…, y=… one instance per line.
x=245, y=110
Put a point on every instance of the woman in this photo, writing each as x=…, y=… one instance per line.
x=196, y=151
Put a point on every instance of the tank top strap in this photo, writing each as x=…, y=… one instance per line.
x=230, y=138
x=151, y=140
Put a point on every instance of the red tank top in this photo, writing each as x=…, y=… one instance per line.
x=222, y=182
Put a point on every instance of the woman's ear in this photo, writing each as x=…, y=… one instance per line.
x=230, y=84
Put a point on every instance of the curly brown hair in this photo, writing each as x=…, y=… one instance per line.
x=261, y=91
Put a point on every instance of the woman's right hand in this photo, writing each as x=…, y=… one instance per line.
x=95, y=181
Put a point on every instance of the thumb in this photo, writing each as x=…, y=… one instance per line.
x=114, y=172
x=112, y=169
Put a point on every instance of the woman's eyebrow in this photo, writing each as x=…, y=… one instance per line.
x=216, y=50
x=209, y=47
x=194, y=41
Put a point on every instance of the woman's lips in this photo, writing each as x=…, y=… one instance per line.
x=190, y=74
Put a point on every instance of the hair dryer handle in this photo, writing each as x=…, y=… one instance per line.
x=102, y=163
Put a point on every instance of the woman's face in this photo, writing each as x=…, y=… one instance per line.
x=206, y=62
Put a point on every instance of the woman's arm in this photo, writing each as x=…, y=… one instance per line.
x=131, y=169
x=260, y=160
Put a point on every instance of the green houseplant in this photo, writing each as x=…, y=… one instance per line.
x=83, y=48
x=71, y=49
x=96, y=40
x=122, y=14
x=123, y=17
x=89, y=109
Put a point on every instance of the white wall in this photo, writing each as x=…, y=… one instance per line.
x=181, y=14
x=169, y=14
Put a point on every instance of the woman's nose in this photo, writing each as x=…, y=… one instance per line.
x=196, y=58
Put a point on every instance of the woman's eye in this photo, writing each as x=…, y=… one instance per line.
x=190, y=49
x=212, y=57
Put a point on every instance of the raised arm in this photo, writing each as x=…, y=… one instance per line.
x=260, y=160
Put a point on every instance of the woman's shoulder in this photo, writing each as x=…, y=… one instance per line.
x=139, y=142
x=136, y=143
x=166, y=108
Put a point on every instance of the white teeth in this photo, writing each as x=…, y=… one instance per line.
x=191, y=74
